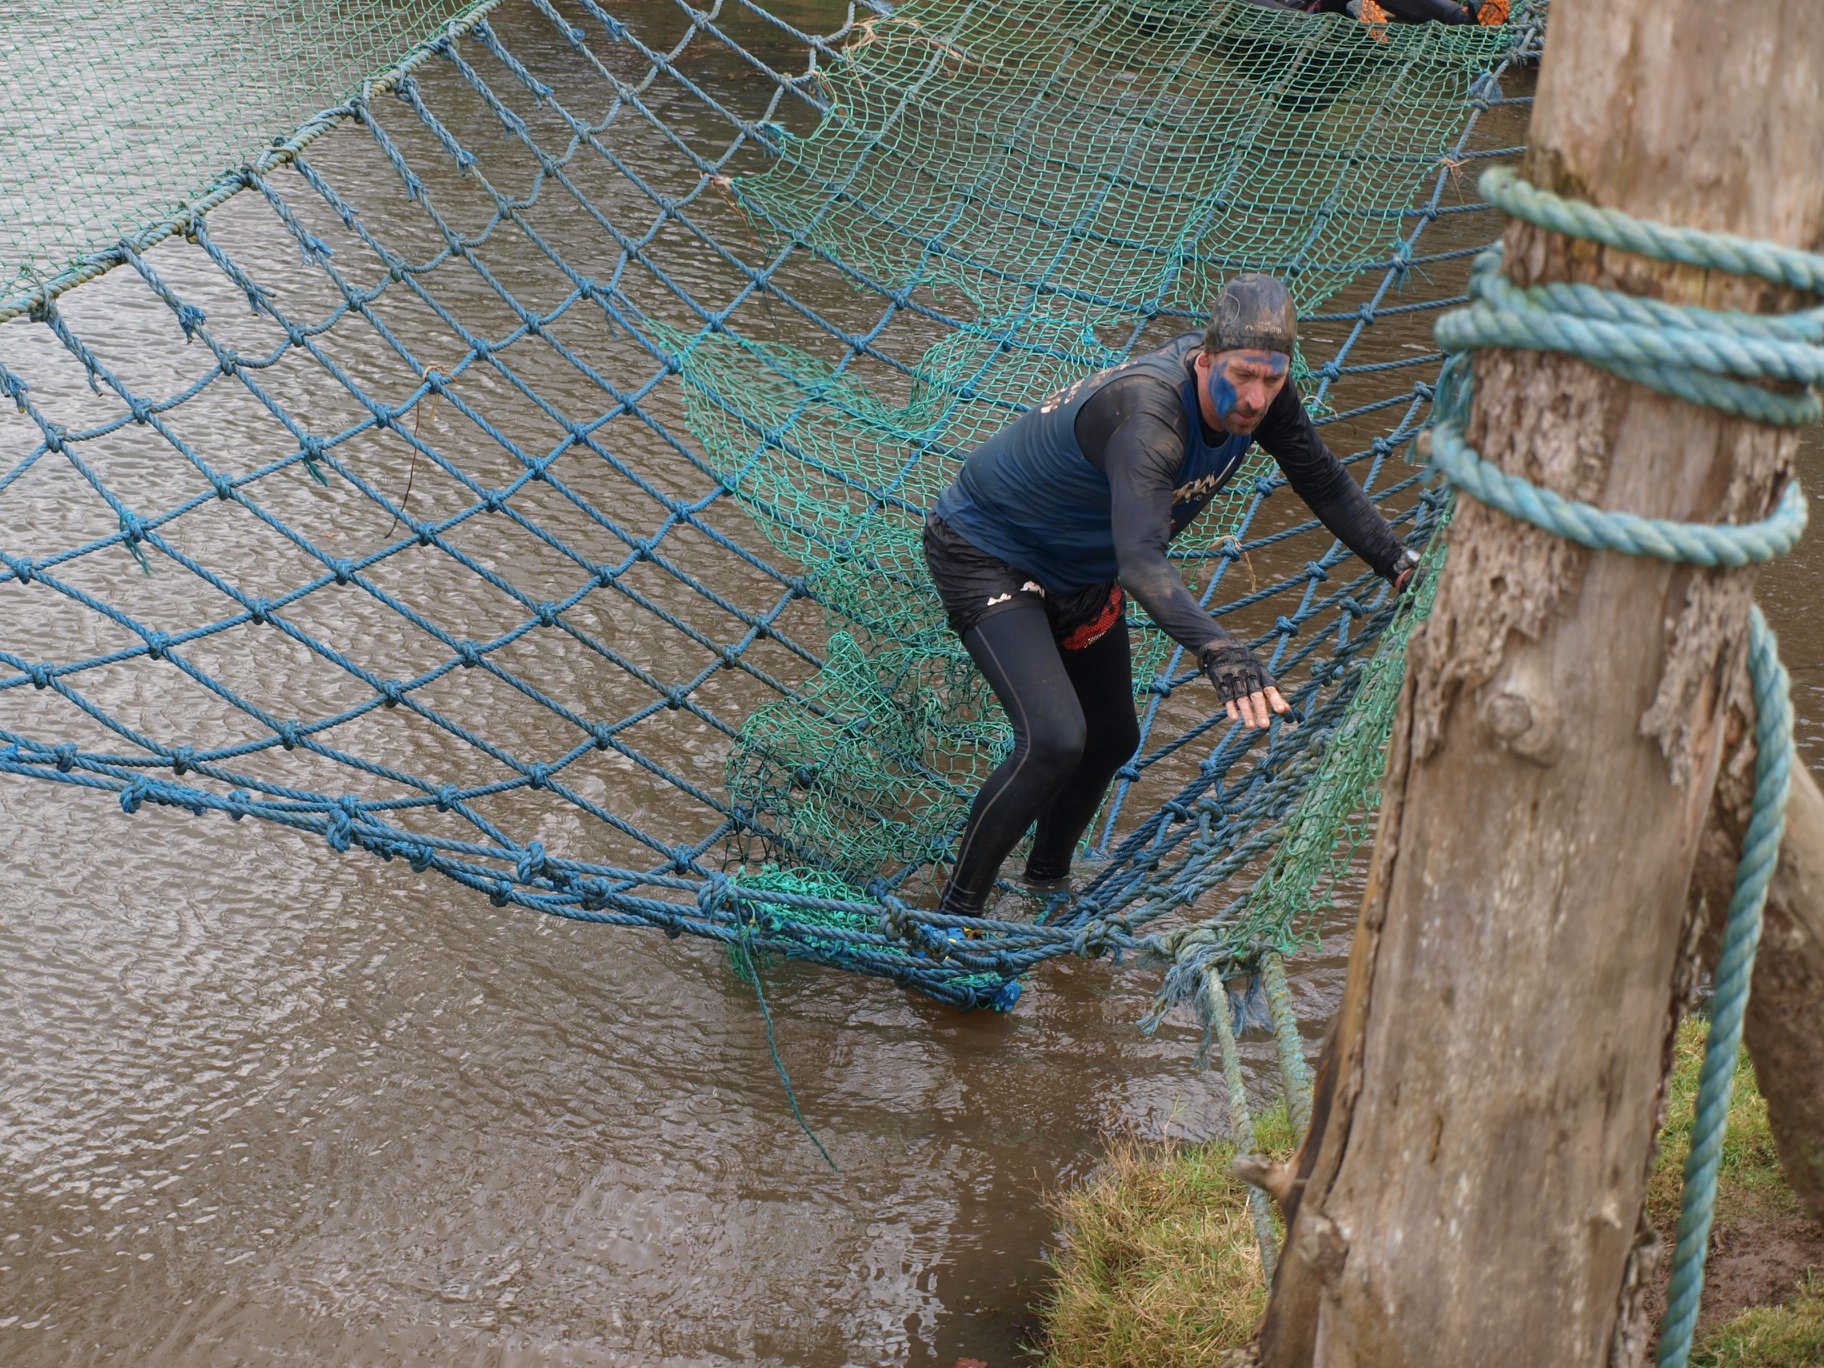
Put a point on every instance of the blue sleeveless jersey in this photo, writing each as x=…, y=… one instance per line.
x=1029, y=495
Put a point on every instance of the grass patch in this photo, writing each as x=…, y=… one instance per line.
x=1748, y=1177
x=1159, y=1267
x=1787, y=1336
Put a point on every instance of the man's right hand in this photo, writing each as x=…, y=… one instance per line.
x=1248, y=693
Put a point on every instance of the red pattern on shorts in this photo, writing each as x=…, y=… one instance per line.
x=1097, y=627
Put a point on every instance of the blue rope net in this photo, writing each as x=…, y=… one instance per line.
x=523, y=483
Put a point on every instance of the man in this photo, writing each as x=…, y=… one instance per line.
x=1055, y=519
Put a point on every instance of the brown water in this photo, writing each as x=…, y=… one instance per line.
x=267, y=1105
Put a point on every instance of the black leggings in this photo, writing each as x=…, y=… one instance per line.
x=1073, y=727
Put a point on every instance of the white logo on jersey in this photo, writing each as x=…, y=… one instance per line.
x=1030, y=587
x=1200, y=488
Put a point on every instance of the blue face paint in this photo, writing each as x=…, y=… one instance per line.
x=1222, y=394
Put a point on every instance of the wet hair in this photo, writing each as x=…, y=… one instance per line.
x=1254, y=312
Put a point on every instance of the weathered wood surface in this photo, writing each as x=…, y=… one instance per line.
x=1475, y=1187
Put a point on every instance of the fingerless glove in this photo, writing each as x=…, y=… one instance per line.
x=1234, y=671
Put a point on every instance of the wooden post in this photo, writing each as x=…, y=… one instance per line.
x=1473, y=1191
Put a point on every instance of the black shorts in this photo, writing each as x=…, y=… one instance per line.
x=975, y=585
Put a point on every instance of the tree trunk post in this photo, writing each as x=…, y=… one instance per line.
x=1476, y=1182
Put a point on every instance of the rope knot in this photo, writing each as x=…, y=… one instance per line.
x=895, y=916
x=1095, y=937
x=531, y=862
x=715, y=895
x=341, y=829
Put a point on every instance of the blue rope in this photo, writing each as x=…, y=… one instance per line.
x=754, y=970
x=1773, y=764
x=1704, y=356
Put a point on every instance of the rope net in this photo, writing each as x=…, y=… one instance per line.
x=113, y=127
x=524, y=481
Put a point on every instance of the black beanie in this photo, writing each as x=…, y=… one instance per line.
x=1253, y=312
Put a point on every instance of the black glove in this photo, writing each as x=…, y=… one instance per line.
x=1407, y=572
x=1234, y=671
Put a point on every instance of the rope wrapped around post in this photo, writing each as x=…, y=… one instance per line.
x=1702, y=356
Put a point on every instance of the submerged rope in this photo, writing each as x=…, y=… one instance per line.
x=1702, y=356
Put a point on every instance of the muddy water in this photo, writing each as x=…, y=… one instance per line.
x=267, y=1105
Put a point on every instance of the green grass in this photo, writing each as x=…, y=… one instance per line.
x=1786, y=1336
x=1749, y=1182
x=1159, y=1267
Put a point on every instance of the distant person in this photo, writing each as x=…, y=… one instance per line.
x=1303, y=79
x=1402, y=11
x=1056, y=519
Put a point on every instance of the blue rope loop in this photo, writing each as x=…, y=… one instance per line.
x=1707, y=357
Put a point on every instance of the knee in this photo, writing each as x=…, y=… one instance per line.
x=1055, y=747
x=1114, y=742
